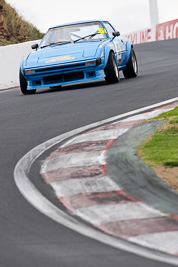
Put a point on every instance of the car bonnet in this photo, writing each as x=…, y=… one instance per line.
x=60, y=54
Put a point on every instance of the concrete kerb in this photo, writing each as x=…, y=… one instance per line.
x=48, y=209
x=131, y=173
x=98, y=177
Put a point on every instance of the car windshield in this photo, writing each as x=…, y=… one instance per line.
x=74, y=33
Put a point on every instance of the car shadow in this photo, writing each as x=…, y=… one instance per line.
x=72, y=87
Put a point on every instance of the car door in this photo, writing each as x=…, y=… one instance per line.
x=118, y=42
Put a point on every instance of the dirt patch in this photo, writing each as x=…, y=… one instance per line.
x=169, y=175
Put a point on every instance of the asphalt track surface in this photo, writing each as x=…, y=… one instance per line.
x=28, y=238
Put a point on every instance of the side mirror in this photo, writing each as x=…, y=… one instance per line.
x=34, y=46
x=115, y=34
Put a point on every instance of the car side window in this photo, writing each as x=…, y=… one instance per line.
x=109, y=29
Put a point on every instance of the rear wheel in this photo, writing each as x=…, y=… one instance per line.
x=23, y=85
x=111, y=70
x=131, y=69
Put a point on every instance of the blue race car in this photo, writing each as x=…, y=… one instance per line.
x=78, y=52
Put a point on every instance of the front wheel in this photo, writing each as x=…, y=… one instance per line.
x=23, y=85
x=131, y=69
x=111, y=70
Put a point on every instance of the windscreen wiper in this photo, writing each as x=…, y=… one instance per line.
x=90, y=35
x=57, y=43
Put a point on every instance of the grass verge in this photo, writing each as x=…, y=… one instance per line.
x=13, y=28
x=161, y=150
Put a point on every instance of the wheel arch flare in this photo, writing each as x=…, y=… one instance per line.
x=129, y=46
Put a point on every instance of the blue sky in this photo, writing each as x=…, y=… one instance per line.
x=125, y=15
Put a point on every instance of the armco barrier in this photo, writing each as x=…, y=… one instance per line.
x=163, y=31
x=10, y=57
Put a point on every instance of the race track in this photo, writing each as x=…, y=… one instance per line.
x=28, y=238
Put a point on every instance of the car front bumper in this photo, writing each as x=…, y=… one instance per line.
x=57, y=75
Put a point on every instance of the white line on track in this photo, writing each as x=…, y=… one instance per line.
x=148, y=116
x=33, y=196
x=165, y=241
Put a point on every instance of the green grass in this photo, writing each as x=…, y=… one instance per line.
x=169, y=114
x=162, y=148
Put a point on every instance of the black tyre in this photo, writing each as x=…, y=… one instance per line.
x=111, y=70
x=23, y=85
x=131, y=69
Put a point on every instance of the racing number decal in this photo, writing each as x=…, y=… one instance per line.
x=102, y=30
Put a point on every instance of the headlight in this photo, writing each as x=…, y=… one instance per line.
x=30, y=71
x=90, y=63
